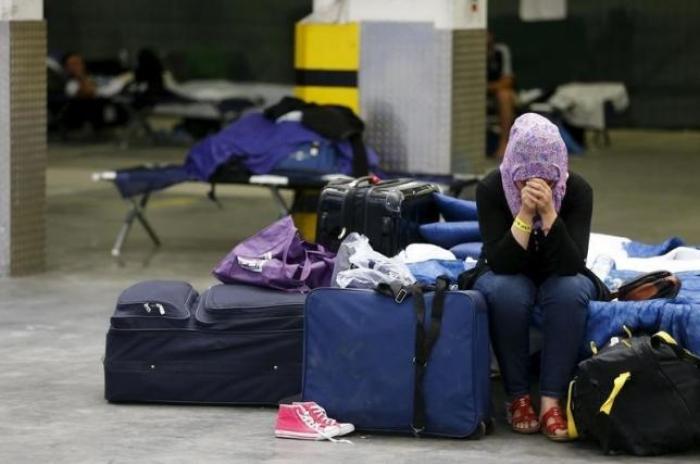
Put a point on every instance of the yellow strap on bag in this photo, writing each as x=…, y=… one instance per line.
x=669, y=340
x=570, y=424
x=627, y=331
x=619, y=382
x=665, y=337
x=594, y=347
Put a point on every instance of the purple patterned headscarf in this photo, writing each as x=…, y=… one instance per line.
x=535, y=149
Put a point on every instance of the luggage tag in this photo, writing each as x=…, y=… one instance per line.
x=254, y=264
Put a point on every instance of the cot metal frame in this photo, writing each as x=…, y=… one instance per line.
x=273, y=183
x=139, y=203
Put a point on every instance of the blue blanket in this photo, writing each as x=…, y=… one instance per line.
x=140, y=180
x=680, y=316
x=644, y=250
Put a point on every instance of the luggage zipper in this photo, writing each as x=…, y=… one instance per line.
x=267, y=311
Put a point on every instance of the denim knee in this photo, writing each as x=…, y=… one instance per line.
x=506, y=290
x=566, y=291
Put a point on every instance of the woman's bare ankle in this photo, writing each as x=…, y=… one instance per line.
x=548, y=402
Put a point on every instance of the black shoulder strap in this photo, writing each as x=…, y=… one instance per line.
x=424, y=346
x=360, y=162
x=420, y=361
x=603, y=293
x=436, y=313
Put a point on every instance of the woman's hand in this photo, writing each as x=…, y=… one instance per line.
x=528, y=204
x=542, y=195
x=544, y=202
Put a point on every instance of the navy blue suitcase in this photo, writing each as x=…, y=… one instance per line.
x=362, y=361
x=234, y=344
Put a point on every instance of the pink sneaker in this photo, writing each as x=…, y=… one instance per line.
x=319, y=414
x=294, y=421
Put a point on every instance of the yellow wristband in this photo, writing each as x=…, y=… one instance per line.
x=522, y=225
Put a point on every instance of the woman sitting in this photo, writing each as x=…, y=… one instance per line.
x=535, y=218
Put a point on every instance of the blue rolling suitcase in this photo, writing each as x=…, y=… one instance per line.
x=418, y=364
x=234, y=344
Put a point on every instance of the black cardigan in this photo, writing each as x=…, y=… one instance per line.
x=561, y=252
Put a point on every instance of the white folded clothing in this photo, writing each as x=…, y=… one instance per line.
x=419, y=252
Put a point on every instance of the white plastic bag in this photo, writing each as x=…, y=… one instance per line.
x=357, y=265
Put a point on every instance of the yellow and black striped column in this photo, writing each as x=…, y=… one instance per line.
x=326, y=61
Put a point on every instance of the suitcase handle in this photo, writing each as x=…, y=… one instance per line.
x=390, y=182
x=360, y=180
x=369, y=181
x=374, y=180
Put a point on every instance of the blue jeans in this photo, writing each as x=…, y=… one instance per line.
x=563, y=301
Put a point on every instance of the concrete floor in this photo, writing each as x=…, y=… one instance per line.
x=52, y=337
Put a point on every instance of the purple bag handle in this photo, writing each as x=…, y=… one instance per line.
x=306, y=267
x=288, y=245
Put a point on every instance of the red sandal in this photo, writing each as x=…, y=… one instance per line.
x=558, y=422
x=521, y=408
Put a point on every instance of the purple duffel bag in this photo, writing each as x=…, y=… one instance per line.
x=277, y=257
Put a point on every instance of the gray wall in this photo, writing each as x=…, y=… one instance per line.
x=236, y=39
x=651, y=45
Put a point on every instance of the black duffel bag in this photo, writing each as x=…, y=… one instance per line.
x=638, y=395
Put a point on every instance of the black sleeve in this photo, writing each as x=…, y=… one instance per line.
x=503, y=253
x=566, y=246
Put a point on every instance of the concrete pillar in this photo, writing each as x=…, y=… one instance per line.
x=421, y=78
x=423, y=96
x=22, y=138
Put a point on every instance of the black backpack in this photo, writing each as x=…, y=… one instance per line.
x=638, y=395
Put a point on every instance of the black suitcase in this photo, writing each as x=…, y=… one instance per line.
x=389, y=213
x=234, y=344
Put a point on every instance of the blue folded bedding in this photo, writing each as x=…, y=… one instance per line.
x=467, y=250
x=426, y=272
x=453, y=209
x=449, y=234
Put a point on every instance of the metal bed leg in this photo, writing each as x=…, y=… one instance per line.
x=123, y=232
x=136, y=212
x=279, y=200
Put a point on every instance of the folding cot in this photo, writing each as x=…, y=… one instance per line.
x=138, y=184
